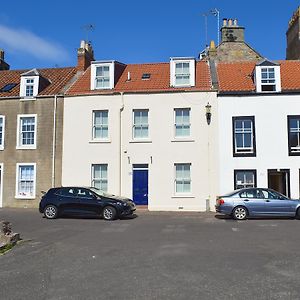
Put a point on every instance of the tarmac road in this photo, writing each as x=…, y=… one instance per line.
x=161, y=255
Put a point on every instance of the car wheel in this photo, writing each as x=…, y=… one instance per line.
x=50, y=212
x=109, y=213
x=240, y=213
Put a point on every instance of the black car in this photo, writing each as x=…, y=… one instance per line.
x=84, y=201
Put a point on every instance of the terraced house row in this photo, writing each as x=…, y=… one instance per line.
x=170, y=135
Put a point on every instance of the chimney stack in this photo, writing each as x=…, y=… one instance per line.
x=3, y=64
x=231, y=31
x=85, y=55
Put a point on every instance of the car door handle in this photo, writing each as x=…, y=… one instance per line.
x=268, y=201
x=246, y=200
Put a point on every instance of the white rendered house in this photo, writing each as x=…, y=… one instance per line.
x=259, y=126
x=144, y=131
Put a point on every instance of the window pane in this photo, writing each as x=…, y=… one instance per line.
x=100, y=127
x=247, y=140
x=140, y=126
x=244, y=179
x=27, y=131
x=182, y=122
x=243, y=135
x=26, y=181
x=99, y=176
x=182, y=178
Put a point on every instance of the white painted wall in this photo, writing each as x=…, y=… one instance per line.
x=271, y=130
x=160, y=152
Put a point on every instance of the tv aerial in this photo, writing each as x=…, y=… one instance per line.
x=88, y=28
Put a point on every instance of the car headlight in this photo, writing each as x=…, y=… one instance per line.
x=122, y=203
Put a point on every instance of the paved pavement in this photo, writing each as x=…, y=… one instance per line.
x=165, y=255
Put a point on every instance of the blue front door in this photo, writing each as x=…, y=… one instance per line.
x=140, y=185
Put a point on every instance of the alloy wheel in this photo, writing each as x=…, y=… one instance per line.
x=50, y=212
x=240, y=213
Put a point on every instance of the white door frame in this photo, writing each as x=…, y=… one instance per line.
x=1, y=184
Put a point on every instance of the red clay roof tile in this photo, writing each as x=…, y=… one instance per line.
x=238, y=76
x=58, y=78
x=159, y=80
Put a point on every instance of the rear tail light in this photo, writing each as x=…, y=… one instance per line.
x=220, y=201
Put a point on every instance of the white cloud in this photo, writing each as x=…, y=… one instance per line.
x=27, y=42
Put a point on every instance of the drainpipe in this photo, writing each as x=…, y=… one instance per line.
x=120, y=142
x=54, y=141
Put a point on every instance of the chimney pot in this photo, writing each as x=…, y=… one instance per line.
x=230, y=22
x=224, y=22
x=128, y=76
x=235, y=22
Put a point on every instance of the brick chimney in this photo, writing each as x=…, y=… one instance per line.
x=3, y=64
x=85, y=55
x=231, y=32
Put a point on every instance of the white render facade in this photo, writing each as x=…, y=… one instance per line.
x=272, y=165
x=138, y=134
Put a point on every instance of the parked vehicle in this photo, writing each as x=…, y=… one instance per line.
x=255, y=202
x=84, y=201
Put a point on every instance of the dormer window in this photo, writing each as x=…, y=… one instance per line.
x=182, y=71
x=267, y=77
x=102, y=75
x=29, y=87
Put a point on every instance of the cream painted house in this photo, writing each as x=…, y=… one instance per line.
x=144, y=131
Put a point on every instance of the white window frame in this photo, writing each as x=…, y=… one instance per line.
x=183, y=179
x=182, y=124
x=173, y=62
x=243, y=131
x=260, y=84
x=93, y=179
x=18, y=196
x=3, y=132
x=141, y=125
x=19, y=145
x=94, y=138
x=24, y=84
x=94, y=67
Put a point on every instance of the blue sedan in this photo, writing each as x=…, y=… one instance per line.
x=255, y=202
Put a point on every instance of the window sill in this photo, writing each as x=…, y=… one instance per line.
x=183, y=196
x=140, y=141
x=28, y=99
x=26, y=148
x=182, y=140
x=24, y=198
x=99, y=141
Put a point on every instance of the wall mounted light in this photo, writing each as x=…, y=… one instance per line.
x=208, y=113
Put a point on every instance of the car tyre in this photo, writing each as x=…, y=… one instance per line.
x=109, y=213
x=51, y=212
x=298, y=214
x=240, y=213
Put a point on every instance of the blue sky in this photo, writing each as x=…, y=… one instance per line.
x=47, y=34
